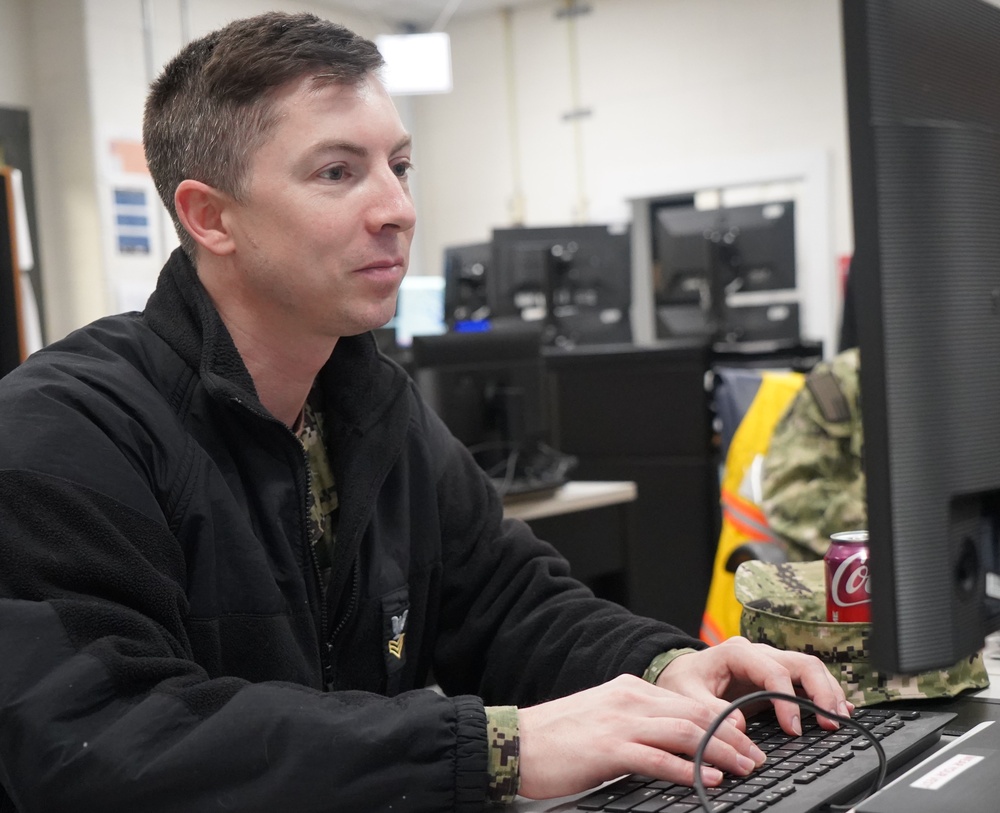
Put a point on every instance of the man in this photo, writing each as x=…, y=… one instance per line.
x=236, y=542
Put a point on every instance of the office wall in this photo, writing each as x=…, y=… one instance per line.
x=670, y=84
x=14, y=90
x=52, y=56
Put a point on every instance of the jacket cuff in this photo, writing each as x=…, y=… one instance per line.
x=470, y=754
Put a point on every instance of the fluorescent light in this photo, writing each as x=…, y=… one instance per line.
x=416, y=63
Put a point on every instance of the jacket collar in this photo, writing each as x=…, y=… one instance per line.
x=359, y=384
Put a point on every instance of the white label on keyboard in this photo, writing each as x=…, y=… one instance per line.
x=946, y=771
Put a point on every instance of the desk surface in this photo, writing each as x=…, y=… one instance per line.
x=577, y=495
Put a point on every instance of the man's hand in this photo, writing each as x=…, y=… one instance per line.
x=718, y=675
x=630, y=726
x=624, y=726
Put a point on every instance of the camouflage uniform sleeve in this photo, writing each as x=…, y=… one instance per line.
x=813, y=483
x=504, y=753
x=662, y=661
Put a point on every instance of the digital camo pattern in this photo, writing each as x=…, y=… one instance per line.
x=323, y=499
x=504, y=753
x=785, y=605
x=813, y=482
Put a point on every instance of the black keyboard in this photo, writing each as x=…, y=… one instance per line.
x=802, y=774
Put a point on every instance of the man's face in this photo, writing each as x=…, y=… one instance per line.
x=323, y=239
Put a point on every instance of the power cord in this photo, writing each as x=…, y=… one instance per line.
x=534, y=461
x=753, y=697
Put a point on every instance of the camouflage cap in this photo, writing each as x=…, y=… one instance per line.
x=784, y=605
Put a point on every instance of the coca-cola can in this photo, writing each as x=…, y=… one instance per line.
x=848, y=591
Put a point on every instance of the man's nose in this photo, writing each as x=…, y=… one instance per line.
x=392, y=205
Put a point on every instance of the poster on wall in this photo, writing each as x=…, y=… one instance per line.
x=31, y=324
x=133, y=221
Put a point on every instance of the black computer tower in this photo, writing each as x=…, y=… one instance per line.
x=644, y=414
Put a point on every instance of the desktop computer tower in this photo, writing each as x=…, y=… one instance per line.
x=643, y=414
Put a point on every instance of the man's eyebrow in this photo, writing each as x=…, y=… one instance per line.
x=404, y=143
x=359, y=150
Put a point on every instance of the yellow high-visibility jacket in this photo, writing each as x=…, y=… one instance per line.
x=742, y=518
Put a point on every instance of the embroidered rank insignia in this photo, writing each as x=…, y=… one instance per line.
x=395, y=617
x=398, y=634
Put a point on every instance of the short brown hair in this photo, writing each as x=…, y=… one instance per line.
x=211, y=108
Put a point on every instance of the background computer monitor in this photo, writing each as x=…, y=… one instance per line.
x=420, y=309
x=488, y=389
x=466, y=270
x=706, y=260
x=923, y=89
x=574, y=281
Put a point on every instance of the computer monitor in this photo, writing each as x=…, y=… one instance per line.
x=574, y=281
x=488, y=389
x=466, y=270
x=923, y=93
x=419, y=308
x=705, y=261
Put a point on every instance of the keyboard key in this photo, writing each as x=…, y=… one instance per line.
x=813, y=751
x=761, y=781
x=748, y=789
x=597, y=801
x=654, y=805
x=631, y=800
x=733, y=797
x=770, y=798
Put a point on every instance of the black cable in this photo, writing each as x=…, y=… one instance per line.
x=511, y=471
x=489, y=446
x=699, y=754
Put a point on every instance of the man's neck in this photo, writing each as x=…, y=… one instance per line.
x=283, y=361
x=282, y=374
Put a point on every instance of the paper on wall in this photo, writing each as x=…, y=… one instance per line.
x=25, y=256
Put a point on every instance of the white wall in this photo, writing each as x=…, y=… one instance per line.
x=62, y=151
x=14, y=85
x=671, y=84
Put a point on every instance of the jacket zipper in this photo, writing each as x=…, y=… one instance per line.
x=325, y=650
x=324, y=644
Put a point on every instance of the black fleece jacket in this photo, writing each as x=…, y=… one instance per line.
x=162, y=640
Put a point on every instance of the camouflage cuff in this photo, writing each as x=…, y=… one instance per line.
x=662, y=661
x=504, y=753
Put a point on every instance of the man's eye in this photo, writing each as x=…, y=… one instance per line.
x=402, y=169
x=333, y=173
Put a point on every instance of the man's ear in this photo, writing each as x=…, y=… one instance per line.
x=200, y=208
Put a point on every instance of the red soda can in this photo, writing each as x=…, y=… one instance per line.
x=848, y=591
